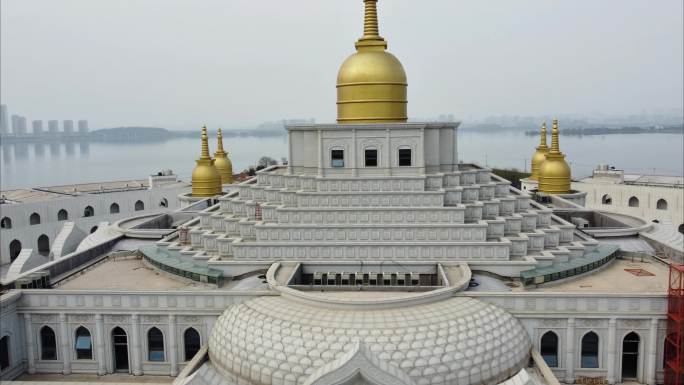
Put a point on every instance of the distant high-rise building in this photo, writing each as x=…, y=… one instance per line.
x=68, y=126
x=83, y=126
x=37, y=127
x=4, y=119
x=18, y=124
x=53, y=126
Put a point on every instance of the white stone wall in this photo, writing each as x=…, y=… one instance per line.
x=648, y=197
x=569, y=315
x=49, y=225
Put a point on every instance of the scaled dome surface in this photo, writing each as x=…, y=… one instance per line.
x=278, y=340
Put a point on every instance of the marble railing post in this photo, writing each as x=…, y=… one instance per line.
x=173, y=346
x=136, y=354
x=66, y=343
x=651, y=353
x=570, y=352
x=610, y=364
x=99, y=345
x=30, y=353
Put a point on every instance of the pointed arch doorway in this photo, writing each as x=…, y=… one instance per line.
x=120, y=350
x=630, y=356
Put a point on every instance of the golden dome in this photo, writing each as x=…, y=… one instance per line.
x=206, y=181
x=540, y=155
x=554, y=173
x=371, y=84
x=222, y=162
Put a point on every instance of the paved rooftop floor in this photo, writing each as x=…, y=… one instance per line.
x=613, y=278
x=82, y=379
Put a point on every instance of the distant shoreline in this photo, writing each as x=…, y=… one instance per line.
x=615, y=131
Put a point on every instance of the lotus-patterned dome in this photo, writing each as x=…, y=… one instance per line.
x=279, y=340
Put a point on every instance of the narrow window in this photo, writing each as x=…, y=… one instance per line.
x=4, y=353
x=6, y=223
x=114, y=208
x=337, y=158
x=371, y=156
x=191, y=339
x=14, y=249
x=62, y=215
x=155, y=345
x=590, y=350
x=34, y=219
x=139, y=206
x=606, y=200
x=88, y=211
x=84, y=344
x=404, y=157
x=43, y=245
x=661, y=204
x=48, y=344
x=633, y=202
x=163, y=203
x=549, y=348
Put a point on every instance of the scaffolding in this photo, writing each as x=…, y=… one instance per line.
x=674, y=342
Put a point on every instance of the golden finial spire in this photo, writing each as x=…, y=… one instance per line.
x=555, y=148
x=205, y=144
x=219, y=137
x=371, y=34
x=542, y=142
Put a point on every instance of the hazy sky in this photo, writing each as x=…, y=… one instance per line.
x=181, y=63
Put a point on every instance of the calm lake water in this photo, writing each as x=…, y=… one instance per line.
x=47, y=164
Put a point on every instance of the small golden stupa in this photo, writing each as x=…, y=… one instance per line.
x=371, y=84
x=540, y=155
x=554, y=173
x=206, y=180
x=222, y=162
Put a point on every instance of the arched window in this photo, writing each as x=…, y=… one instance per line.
x=633, y=202
x=6, y=223
x=155, y=345
x=549, y=348
x=139, y=206
x=606, y=200
x=191, y=340
x=681, y=228
x=163, y=203
x=630, y=356
x=62, y=215
x=43, y=245
x=4, y=353
x=84, y=344
x=89, y=211
x=34, y=219
x=114, y=208
x=14, y=249
x=120, y=343
x=93, y=229
x=661, y=204
x=590, y=350
x=48, y=344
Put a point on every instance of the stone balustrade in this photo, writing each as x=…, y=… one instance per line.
x=374, y=232
x=371, y=199
x=326, y=216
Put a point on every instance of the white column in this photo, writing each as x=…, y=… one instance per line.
x=136, y=354
x=173, y=346
x=289, y=155
x=570, y=352
x=388, y=153
x=454, y=166
x=66, y=343
x=320, y=153
x=651, y=353
x=30, y=353
x=355, y=171
x=610, y=364
x=99, y=345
